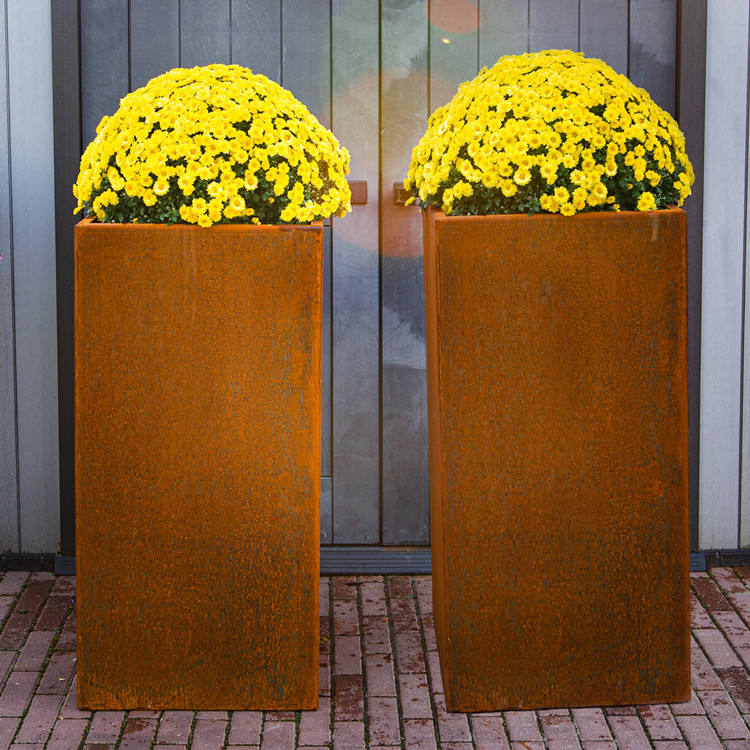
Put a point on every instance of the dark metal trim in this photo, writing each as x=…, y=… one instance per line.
x=375, y=561
x=367, y=561
x=691, y=91
x=716, y=558
x=26, y=561
x=66, y=72
x=338, y=561
x=65, y=565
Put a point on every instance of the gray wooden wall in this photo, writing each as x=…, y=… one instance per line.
x=725, y=368
x=371, y=70
x=29, y=476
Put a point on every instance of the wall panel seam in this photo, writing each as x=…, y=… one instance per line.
x=80, y=82
x=479, y=37
x=382, y=193
x=332, y=459
x=528, y=25
x=740, y=475
x=12, y=280
x=630, y=15
x=281, y=42
x=130, y=48
x=429, y=51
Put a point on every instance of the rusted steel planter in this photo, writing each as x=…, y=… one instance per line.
x=557, y=380
x=198, y=461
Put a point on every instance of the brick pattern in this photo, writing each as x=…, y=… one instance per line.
x=380, y=684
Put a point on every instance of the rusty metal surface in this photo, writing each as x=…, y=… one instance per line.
x=198, y=465
x=557, y=381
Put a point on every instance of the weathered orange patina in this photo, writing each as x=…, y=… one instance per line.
x=557, y=378
x=198, y=461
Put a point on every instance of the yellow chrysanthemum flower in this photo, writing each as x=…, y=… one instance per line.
x=535, y=125
x=235, y=145
x=646, y=202
x=161, y=186
x=561, y=194
x=522, y=176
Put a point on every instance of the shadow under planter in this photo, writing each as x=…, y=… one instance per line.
x=557, y=391
x=197, y=391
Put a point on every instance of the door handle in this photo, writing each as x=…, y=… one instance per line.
x=400, y=194
x=359, y=192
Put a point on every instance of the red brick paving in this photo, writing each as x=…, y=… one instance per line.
x=245, y=728
x=174, y=727
x=380, y=676
x=380, y=683
x=349, y=697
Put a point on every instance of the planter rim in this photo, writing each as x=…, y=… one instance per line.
x=92, y=223
x=438, y=215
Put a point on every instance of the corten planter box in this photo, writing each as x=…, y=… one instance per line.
x=557, y=380
x=198, y=460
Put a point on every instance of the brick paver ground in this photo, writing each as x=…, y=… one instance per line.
x=380, y=683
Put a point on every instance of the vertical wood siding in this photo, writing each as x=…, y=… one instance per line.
x=256, y=36
x=34, y=278
x=453, y=40
x=600, y=31
x=691, y=112
x=154, y=47
x=66, y=99
x=355, y=334
x=745, y=451
x=403, y=112
x=744, y=521
x=306, y=71
x=105, y=60
x=724, y=214
x=8, y=448
x=653, y=53
x=504, y=29
x=326, y=396
x=553, y=24
x=205, y=32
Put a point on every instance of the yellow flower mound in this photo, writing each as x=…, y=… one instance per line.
x=210, y=145
x=552, y=131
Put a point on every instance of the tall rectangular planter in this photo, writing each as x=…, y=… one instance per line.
x=197, y=393
x=557, y=393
